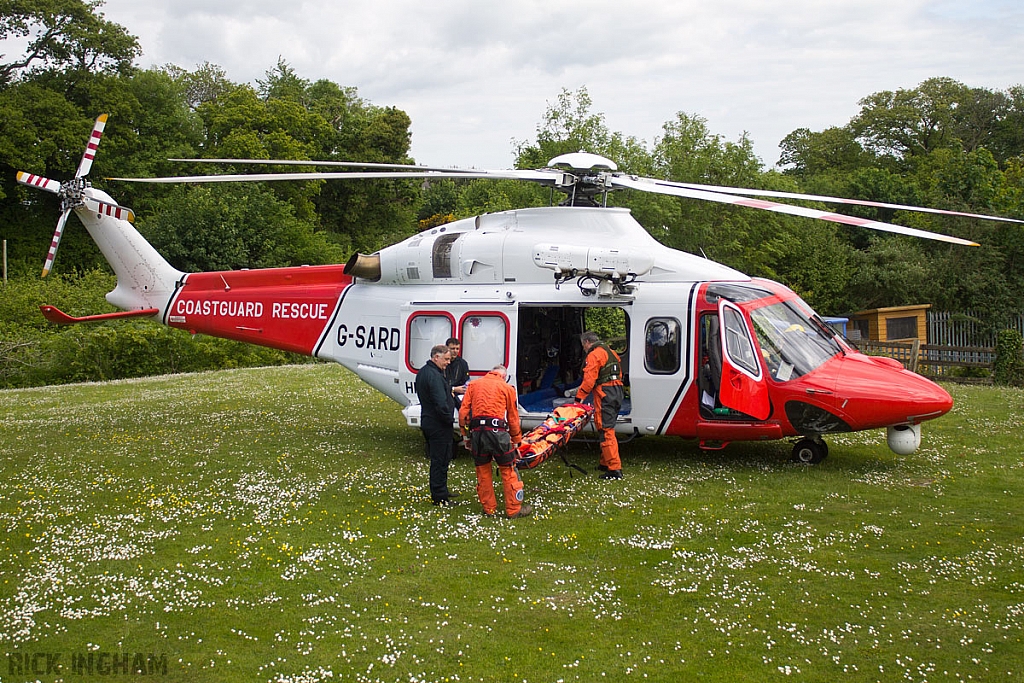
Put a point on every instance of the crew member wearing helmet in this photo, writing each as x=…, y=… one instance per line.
x=602, y=376
x=490, y=419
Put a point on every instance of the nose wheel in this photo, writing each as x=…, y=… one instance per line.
x=808, y=451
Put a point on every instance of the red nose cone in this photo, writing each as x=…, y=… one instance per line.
x=877, y=392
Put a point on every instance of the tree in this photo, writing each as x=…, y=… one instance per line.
x=283, y=83
x=207, y=83
x=63, y=36
x=833, y=149
x=568, y=126
x=1008, y=138
x=906, y=123
x=227, y=227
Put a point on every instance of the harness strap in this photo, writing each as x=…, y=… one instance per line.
x=610, y=371
x=495, y=424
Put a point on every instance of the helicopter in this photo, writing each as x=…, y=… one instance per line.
x=709, y=353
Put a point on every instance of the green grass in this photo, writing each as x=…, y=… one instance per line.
x=274, y=524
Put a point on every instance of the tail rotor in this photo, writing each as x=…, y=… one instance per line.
x=73, y=192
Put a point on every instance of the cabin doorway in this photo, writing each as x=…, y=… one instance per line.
x=549, y=356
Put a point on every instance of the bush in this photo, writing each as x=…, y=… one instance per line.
x=1009, y=364
x=34, y=352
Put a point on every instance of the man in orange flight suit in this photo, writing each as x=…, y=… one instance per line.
x=491, y=419
x=602, y=375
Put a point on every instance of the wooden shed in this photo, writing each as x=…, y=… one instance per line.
x=897, y=323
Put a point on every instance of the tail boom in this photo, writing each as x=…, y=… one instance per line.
x=284, y=308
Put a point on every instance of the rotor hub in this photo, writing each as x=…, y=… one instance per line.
x=589, y=175
x=72, y=193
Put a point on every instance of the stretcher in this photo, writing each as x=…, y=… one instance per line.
x=552, y=434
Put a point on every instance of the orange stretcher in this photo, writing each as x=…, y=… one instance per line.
x=552, y=434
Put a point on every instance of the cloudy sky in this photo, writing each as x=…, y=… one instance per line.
x=475, y=75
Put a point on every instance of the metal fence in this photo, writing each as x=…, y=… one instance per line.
x=959, y=348
x=959, y=363
x=964, y=329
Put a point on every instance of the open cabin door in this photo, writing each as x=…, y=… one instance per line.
x=743, y=386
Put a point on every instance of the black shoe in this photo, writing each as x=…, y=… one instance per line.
x=612, y=474
x=446, y=503
x=603, y=468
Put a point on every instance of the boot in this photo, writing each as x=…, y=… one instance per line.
x=524, y=511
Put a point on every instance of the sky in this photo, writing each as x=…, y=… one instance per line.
x=475, y=75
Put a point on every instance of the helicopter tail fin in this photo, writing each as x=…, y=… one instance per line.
x=144, y=278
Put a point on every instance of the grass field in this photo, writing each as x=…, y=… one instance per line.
x=274, y=525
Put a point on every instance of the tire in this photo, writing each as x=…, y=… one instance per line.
x=809, y=451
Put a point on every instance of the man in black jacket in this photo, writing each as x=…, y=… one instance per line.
x=457, y=372
x=437, y=411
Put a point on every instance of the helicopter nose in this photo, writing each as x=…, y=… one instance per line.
x=877, y=392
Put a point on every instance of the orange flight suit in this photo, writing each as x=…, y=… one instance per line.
x=490, y=413
x=606, y=401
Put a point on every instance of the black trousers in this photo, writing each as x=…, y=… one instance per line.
x=439, y=449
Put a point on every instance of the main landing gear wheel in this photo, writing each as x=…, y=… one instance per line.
x=810, y=451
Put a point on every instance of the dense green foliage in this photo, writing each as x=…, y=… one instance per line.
x=34, y=352
x=942, y=144
x=1009, y=363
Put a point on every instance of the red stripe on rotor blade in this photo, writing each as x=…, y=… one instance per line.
x=848, y=220
x=757, y=203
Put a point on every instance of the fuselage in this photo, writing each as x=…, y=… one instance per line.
x=491, y=282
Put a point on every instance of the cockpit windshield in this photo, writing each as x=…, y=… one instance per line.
x=792, y=342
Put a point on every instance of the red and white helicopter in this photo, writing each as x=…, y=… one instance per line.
x=710, y=353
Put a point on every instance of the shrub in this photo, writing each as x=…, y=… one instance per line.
x=1009, y=364
x=34, y=352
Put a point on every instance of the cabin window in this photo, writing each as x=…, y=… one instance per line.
x=661, y=346
x=484, y=341
x=425, y=332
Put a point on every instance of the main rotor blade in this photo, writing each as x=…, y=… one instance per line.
x=347, y=164
x=55, y=242
x=660, y=187
x=90, y=148
x=834, y=200
x=38, y=181
x=537, y=176
x=107, y=209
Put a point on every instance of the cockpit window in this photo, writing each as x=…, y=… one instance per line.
x=735, y=293
x=791, y=342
